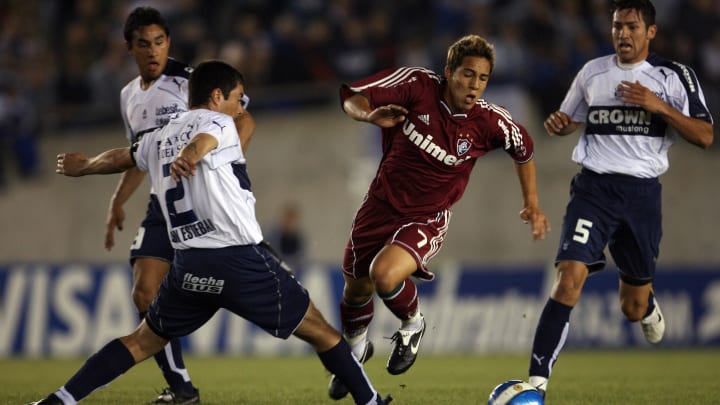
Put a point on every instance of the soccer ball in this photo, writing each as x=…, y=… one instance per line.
x=515, y=392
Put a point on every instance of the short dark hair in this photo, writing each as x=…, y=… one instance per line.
x=644, y=7
x=142, y=17
x=211, y=75
x=470, y=45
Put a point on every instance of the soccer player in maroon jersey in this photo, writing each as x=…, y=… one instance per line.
x=434, y=127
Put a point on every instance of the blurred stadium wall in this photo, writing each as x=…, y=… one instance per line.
x=324, y=161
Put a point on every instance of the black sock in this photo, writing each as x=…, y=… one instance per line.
x=651, y=305
x=340, y=361
x=100, y=369
x=171, y=363
x=550, y=335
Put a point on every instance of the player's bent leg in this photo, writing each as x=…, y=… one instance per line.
x=336, y=356
x=550, y=336
x=356, y=318
x=554, y=323
x=111, y=361
x=357, y=289
x=390, y=267
x=390, y=272
x=356, y=313
x=569, y=282
x=148, y=274
x=406, y=341
x=638, y=303
x=114, y=359
x=315, y=330
x=143, y=342
x=635, y=300
x=337, y=389
x=653, y=325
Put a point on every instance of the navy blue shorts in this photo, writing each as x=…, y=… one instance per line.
x=623, y=213
x=246, y=280
x=152, y=238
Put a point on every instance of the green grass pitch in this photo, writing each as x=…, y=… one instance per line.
x=643, y=376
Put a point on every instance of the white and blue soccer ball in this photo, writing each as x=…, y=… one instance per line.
x=515, y=392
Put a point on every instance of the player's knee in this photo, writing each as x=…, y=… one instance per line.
x=143, y=296
x=569, y=282
x=384, y=283
x=358, y=291
x=385, y=279
x=567, y=291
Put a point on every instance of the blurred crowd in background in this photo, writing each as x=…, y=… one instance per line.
x=63, y=62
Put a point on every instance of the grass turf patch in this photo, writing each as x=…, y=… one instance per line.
x=652, y=376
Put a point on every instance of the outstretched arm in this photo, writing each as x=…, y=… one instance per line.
x=531, y=212
x=358, y=108
x=75, y=164
x=111, y=161
x=695, y=131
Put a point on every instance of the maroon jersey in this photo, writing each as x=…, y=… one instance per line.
x=428, y=158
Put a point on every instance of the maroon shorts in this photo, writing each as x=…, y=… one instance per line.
x=378, y=224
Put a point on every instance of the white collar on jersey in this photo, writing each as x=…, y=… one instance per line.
x=447, y=108
x=628, y=66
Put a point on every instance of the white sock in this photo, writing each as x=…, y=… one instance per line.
x=538, y=382
x=357, y=341
x=65, y=396
x=413, y=323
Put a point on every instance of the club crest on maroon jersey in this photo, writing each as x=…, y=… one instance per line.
x=463, y=145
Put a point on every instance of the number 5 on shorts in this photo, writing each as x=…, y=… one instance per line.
x=582, y=231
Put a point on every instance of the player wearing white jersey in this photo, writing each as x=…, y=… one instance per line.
x=148, y=106
x=197, y=166
x=219, y=210
x=622, y=137
x=634, y=105
x=147, y=103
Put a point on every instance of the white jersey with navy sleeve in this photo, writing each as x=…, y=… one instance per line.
x=626, y=139
x=215, y=208
x=146, y=110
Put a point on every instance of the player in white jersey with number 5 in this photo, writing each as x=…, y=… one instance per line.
x=634, y=104
x=198, y=168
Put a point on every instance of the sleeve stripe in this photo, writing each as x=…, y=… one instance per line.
x=394, y=78
x=514, y=130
